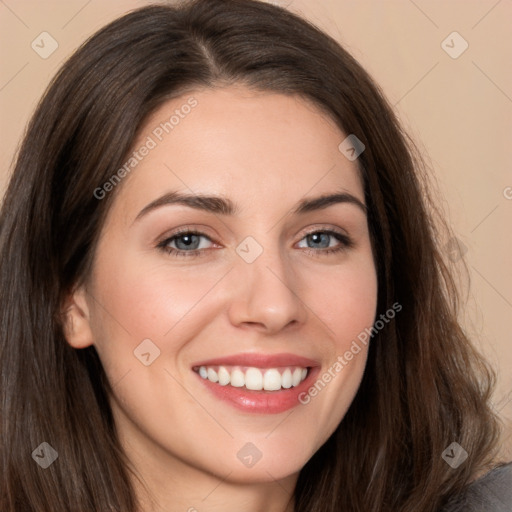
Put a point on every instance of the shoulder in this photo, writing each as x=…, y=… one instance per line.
x=491, y=492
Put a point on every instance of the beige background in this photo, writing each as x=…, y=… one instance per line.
x=457, y=109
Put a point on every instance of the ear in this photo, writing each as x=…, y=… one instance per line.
x=76, y=320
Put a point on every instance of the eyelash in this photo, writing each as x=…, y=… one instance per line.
x=346, y=243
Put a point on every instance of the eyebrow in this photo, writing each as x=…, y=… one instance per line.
x=224, y=206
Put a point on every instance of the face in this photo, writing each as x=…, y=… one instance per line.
x=224, y=319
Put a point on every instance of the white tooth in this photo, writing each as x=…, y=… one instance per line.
x=297, y=373
x=237, y=378
x=212, y=375
x=203, y=372
x=272, y=380
x=304, y=374
x=224, y=376
x=253, y=379
x=286, y=379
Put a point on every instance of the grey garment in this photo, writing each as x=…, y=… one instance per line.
x=490, y=493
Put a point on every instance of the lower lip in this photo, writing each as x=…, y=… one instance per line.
x=261, y=402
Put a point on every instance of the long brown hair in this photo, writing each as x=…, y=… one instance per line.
x=425, y=385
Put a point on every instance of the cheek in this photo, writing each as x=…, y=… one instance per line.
x=150, y=303
x=141, y=298
x=344, y=298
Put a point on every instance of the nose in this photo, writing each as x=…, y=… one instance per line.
x=264, y=294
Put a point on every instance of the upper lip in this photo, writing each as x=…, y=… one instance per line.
x=259, y=360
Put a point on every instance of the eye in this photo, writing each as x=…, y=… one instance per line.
x=327, y=241
x=184, y=243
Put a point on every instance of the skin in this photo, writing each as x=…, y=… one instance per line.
x=265, y=152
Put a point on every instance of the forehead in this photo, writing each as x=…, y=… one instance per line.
x=240, y=143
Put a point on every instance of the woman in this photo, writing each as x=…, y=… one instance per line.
x=221, y=288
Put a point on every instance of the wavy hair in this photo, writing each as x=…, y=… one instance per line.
x=425, y=384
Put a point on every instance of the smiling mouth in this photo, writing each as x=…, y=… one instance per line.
x=253, y=378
